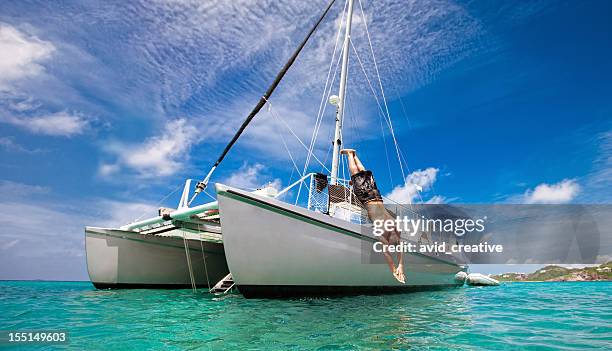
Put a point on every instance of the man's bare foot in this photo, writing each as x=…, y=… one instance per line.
x=399, y=277
x=347, y=151
x=399, y=274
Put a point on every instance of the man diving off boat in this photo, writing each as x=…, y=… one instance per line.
x=367, y=193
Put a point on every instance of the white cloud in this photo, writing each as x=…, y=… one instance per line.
x=54, y=124
x=10, y=189
x=598, y=182
x=178, y=54
x=436, y=200
x=157, y=156
x=24, y=81
x=251, y=177
x=183, y=51
x=7, y=245
x=558, y=193
x=407, y=193
x=20, y=55
x=268, y=131
x=9, y=144
x=118, y=213
x=107, y=169
x=51, y=233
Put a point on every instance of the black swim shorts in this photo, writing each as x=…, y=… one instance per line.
x=365, y=187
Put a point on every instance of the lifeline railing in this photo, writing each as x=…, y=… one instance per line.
x=339, y=201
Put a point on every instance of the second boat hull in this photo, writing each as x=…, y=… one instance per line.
x=124, y=259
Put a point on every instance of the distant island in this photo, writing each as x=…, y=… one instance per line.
x=560, y=274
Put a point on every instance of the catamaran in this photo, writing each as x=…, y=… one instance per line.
x=270, y=246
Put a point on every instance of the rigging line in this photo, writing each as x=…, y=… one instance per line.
x=319, y=121
x=283, y=140
x=381, y=89
x=382, y=130
x=408, y=169
x=159, y=202
x=403, y=108
x=380, y=108
x=276, y=115
x=381, y=112
x=405, y=161
x=322, y=103
x=346, y=94
x=328, y=151
x=201, y=185
x=189, y=267
x=204, y=258
x=352, y=112
x=317, y=129
x=353, y=125
x=291, y=177
x=212, y=197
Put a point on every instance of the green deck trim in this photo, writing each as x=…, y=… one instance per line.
x=303, y=218
x=153, y=243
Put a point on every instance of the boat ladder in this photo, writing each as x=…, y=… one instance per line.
x=224, y=285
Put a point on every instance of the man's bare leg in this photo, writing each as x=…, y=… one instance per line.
x=377, y=210
x=399, y=271
x=358, y=162
x=387, y=255
x=353, y=162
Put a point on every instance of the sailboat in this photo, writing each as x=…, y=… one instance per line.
x=270, y=247
x=276, y=248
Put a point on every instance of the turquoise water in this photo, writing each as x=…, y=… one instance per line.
x=568, y=316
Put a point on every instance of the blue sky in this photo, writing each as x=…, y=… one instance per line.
x=105, y=108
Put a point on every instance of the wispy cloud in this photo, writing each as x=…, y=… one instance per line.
x=117, y=213
x=436, y=200
x=8, y=244
x=251, y=177
x=421, y=180
x=63, y=123
x=9, y=144
x=10, y=189
x=158, y=156
x=22, y=64
x=195, y=50
x=558, y=193
x=181, y=59
x=598, y=182
x=20, y=55
x=50, y=232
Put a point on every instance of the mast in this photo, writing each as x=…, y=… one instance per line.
x=342, y=95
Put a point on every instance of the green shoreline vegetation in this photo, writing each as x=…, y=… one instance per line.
x=554, y=273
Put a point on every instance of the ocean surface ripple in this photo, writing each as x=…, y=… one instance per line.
x=542, y=316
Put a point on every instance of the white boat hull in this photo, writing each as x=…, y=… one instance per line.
x=276, y=249
x=126, y=259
